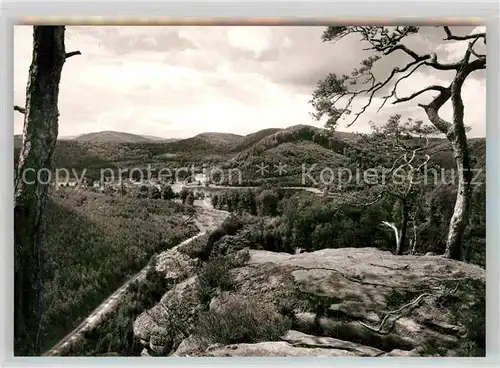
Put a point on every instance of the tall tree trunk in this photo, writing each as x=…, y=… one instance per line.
x=39, y=140
x=460, y=215
x=397, y=236
x=414, y=240
x=456, y=134
x=458, y=138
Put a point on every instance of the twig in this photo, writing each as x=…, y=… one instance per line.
x=390, y=313
x=72, y=53
x=398, y=315
x=405, y=267
x=20, y=109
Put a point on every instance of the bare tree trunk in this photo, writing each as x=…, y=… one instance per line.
x=398, y=246
x=400, y=234
x=396, y=235
x=39, y=140
x=456, y=134
x=460, y=215
x=458, y=138
x=415, y=238
x=403, y=229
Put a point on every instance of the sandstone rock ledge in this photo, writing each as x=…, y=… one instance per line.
x=342, y=302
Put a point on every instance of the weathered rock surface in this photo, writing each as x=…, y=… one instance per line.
x=299, y=339
x=293, y=343
x=274, y=349
x=154, y=327
x=163, y=327
x=350, y=301
x=190, y=346
x=176, y=265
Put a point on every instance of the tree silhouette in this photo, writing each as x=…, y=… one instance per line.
x=334, y=96
x=403, y=145
x=39, y=139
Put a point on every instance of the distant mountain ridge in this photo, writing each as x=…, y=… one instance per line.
x=160, y=139
x=208, y=143
x=292, y=147
x=252, y=138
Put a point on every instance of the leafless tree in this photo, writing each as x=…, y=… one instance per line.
x=335, y=94
x=39, y=140
x=404, y=146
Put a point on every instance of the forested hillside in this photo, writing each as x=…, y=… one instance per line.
x=93, y=243
x=293, y=147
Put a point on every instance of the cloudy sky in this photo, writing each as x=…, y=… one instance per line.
x=180, y=81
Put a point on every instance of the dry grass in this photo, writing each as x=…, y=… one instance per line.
x=241, y=321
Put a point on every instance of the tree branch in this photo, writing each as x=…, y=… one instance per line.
x=378, y=198
x=432, y=111
x=478, y=55
x=397, y=313
x=450, y=36
x=385, y=41
x=406, y=50
x=393, y=92
x=20, y=109
x=469, y=51
x=72, y=53
x=440, y=66
x=374, y=89
x=413, y=95
x=393, y=227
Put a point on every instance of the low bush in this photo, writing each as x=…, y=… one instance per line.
x=241, y=321
x=197, y=248
x=201, y=248
x=214, y=276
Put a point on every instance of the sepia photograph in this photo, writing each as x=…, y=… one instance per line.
x=250, y=190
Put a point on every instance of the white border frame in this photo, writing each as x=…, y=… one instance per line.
x=417, y=12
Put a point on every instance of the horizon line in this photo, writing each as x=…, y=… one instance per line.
x=146, y=135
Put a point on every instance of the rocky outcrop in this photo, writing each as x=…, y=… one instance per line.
x=163, y=327
x=176, y=266
x=341, y=302
x=274, y=349
x=295, y=343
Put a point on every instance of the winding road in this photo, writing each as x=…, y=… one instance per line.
x=207, y=219
x=108, y=305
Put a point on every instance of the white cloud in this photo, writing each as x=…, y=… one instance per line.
x=478, y=29
x=255, y=39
